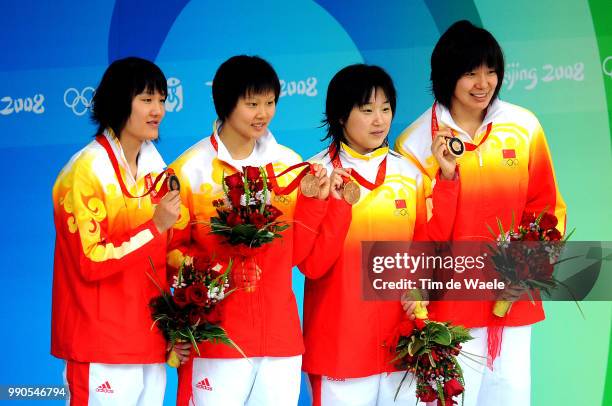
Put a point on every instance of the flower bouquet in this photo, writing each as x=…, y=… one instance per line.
x=428, y=349
x=246, y=221
x=190, y=313
x=526, y=257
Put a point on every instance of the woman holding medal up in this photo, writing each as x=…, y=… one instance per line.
x=111, y=222
x=506, y=173
x=263, y=319
x=383, y=200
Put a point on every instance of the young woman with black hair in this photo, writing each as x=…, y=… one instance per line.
x=263, y=321
x=506, y=173
x=344, y=333
x=108, y=229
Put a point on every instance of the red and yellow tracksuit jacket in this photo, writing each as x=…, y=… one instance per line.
x=511, y=173
x=344, y=334
x=104, y=241
x=264, y=322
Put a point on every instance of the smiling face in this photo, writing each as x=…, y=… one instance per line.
x=148, y=111
x=367, y=126
x=474, y=89
x=252, y=115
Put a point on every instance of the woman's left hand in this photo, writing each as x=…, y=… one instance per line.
x=182, y=349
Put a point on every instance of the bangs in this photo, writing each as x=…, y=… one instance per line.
x=150, y=83
x=261, y=88
x=475, y=55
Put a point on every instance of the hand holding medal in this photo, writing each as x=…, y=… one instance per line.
x=338, y=179
x=315, y=183
x=446, y=148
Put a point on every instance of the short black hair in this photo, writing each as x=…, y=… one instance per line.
x=462, y=48
x=241, y=76
x=352, y=87
x=123, y=80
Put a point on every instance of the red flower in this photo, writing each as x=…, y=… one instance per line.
x=527, y=219
x=257, y=185
x=447, y=402
x=180, y=297
x=252, y=173
x=523, y=272
x=234, y=181
x=234, y=196
x=548, y=221
x=553, y=235
x=197, y=294
x=428, y=394
x=420, y=323
x=233, y=219
x=452, y=388
x=532, y=236
x=257, y=219
x=196, y=316
x=273, y=213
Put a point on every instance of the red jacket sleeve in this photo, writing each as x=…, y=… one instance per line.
x=307, y=217
x=104, y=253
x=330, y=240
x=439, y=225
x=542, y=191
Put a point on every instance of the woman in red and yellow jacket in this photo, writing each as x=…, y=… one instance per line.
x=108, y=231
x=263, y=321
x=345, y=332
x=507, y=172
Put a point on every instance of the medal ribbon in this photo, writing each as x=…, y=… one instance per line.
x=468, y=145
x=272, y=177
x=380, y=175
x=149, y=186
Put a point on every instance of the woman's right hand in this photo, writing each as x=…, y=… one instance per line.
x=409, y=304
x=167, y=211
x=336, y=183
x=446, y=160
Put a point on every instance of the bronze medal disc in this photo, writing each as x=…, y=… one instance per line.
x=351, y=193
x=309, y=185
x=173, y=183
x=455, y=146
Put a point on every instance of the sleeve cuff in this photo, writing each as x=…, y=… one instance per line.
x=440, y=179
x=152, y=227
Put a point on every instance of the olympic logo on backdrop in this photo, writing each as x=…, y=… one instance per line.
x=511, y=162
x=606, y=66
x=79, y=101
x=174, y=101
x=282, y=199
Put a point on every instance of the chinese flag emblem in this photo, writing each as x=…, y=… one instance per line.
x=508, y=153
x=400, y=204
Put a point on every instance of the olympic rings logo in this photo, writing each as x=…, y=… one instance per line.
x=606, y=66
x=512, y=162
x=79, y=102
x=282, y=199
x=401, y=212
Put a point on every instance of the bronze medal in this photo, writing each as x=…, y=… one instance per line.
x=309, y=185
x=351, y=193
x=455, y=146
x=173, y=183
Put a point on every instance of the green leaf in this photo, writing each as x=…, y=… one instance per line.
x=501, y=227
x=438, y=333
x=415, y=345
